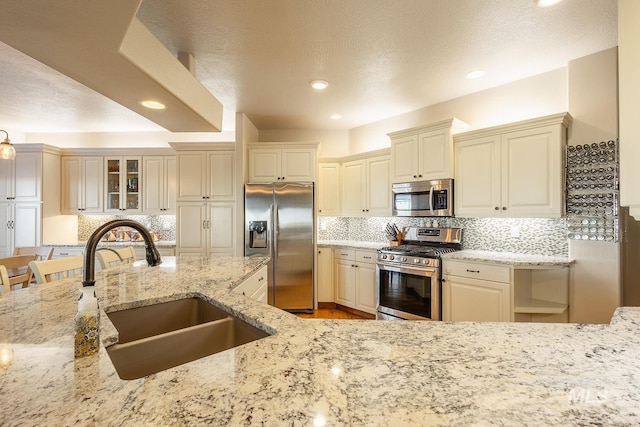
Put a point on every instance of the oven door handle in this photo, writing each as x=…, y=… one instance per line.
x=426, y=271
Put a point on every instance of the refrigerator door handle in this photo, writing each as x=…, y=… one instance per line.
x=276, y=229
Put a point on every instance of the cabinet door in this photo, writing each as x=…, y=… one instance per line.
x=27, y=224
x=191, y=181
x=298, y=164
x=6, y=180
x=329, y=189
x=71, y=198
x=91, y=188
x=220, y=228
x=153, y=181
x=265, y=165
x=404, y=154
x=532, y=180
x=27, y=184
x=476, y=300
x=366, y=287
x=378, y=186
x=190, y=228
x=170, y=184
x=221, y=167
x=324, y=274
x=345, y=283
x=353, y=189
x=434, y=155
x=6, y=230
x=477, y=177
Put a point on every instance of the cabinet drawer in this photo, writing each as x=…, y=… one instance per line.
x=366, y=256
x=251, y=286
x=494, y=273
x=346, y=254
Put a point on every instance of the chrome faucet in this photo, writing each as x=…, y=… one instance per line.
x=152, y=255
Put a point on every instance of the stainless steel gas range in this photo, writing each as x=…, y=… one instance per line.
x=409, y=277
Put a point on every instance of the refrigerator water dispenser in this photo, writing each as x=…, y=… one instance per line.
x=257, y=234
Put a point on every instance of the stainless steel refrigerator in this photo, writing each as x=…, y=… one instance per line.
x=279, y=223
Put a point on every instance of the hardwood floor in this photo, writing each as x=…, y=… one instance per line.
x=332, y=313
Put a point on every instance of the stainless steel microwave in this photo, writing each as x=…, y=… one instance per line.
x=423, y=198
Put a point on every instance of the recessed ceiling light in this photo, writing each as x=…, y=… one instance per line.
x=547, y=3
x=336, y=116
x=475, y=74
x=154, y=105
x=319, y=84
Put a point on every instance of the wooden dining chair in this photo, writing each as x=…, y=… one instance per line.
x=18, y=269
x=109, y=257
x=5, y=287
x=44, y=253
x=57, y=269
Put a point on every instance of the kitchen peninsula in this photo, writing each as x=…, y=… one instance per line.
x=312, y=372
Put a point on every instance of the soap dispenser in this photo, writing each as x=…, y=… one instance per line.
x=87, y=324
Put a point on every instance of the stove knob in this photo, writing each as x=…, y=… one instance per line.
x=391, y=257
x=416, y=260
x=384, y=256
x=404, y=259
x=426, y=261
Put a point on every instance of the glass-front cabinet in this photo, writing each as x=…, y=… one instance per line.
x=123, y=184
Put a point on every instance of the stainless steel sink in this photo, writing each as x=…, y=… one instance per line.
x=160, y=336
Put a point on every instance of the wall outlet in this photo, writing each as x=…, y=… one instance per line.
x=515, y=231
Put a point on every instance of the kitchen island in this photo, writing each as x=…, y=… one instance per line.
x=313, y=372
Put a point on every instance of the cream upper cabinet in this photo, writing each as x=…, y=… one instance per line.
x=365, y=189
x=205, y=175
x=424, y=152
x=123, y=184
x=512, y=171
x=328, y=189
x=271, y=163
x=82, y=184
x=21, y=178
x=159, y=184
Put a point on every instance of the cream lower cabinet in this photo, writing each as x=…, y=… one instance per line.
x=512, y=171
x=487, y=292
x=20, y=225
x=256, y=286
x=355, y=279
x=205, y=229
x=476, y=292
x=324, y=275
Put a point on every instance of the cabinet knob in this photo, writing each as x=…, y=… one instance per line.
x=504, y=208
x=419, y=176
x=283, y=177
x=415, y=176
x=497, y=208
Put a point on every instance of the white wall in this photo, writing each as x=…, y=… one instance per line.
x=593, y=103
x=536, y=96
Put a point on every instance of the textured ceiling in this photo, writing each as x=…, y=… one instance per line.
x=381, y=57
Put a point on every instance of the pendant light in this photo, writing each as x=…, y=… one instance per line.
x=7, y=151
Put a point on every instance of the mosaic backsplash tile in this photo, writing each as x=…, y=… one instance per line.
x=537, y=236
x=165, y=225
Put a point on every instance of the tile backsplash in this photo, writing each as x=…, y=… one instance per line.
x=165, y=225
x=536, y=236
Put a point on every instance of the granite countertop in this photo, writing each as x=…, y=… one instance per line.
x=159, y=243
x=353, y=244
x=311, y=371
x=514, y=259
